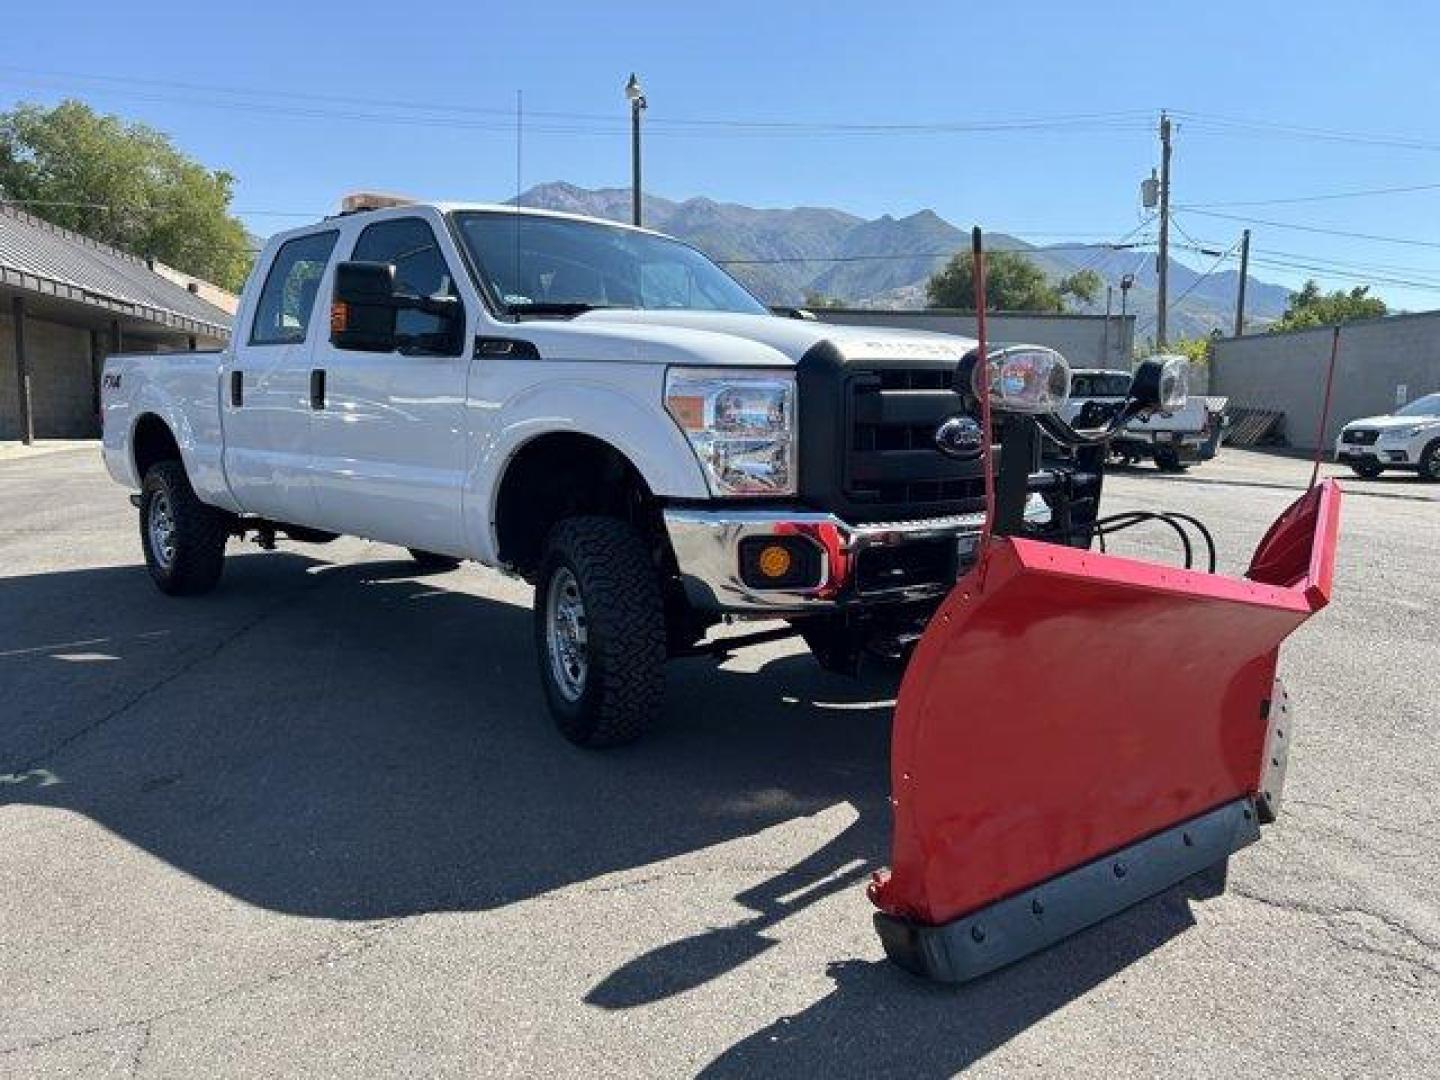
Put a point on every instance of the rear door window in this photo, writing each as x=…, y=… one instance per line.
x=287, y=302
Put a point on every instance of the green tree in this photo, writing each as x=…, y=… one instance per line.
x=1197, y=350
x=1083, y=285
x=1012, y=283
x=815, y=299
x=1311, y=307
x=125, y=184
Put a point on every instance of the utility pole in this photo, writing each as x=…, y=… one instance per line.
x=1244, y=271
x=1162, y=268
x=1127, y=282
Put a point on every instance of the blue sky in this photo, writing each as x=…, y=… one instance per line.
x=297, y=100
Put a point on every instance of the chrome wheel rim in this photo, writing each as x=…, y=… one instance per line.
x=567, y=634
x=161, y=524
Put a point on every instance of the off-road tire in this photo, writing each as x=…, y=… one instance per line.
x=1169, y=461
x=625, y=644
x=432, y=562
x=1430, y=462
x=199, y=533
x=1366, y=470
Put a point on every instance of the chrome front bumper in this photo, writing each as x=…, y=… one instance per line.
x=707, y=548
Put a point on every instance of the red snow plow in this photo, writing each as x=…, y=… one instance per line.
x=1035, y=788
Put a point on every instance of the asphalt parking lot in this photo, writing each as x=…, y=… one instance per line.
x=318, y=824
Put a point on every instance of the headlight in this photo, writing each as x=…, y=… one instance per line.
x=742, y=427
x=1403, y=433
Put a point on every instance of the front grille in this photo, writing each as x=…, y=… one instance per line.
x=867, y=439
x=892, y=458
x=1360, y=437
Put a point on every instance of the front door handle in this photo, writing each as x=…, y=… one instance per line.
x=237, y=388
x=317, y=388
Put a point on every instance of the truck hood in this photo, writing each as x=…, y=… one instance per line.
x=723, y=338
x=1385, y=423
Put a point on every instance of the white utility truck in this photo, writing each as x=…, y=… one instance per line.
x=597, y=408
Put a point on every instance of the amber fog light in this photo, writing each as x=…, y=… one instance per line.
x=780, y=562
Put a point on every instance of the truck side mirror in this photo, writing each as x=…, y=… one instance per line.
x=362, y=312
x=363, y=307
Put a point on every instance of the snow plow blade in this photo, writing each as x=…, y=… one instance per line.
x=1078, y=731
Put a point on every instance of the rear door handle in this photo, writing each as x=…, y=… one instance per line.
x=317, y=388
x=237, y=388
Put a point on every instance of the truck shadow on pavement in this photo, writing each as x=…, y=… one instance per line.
x=351, y=741
x=356, y=742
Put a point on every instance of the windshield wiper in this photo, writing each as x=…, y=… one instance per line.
x=562, y=308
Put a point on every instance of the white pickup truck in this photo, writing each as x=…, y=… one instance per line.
x=1173, y=441
x=597, y=408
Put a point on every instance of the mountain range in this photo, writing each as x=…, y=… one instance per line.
x=787, y=255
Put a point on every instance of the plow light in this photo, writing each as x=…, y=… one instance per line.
x=1024, y=379
x=1162, y=384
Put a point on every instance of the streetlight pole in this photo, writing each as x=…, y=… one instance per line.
x=636, y=96
x=1126, y=283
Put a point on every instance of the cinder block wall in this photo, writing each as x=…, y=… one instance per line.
x=1081, y=339
x=61, y=391
x=1287, y=371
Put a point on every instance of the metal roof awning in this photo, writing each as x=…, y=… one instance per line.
x=44, y=259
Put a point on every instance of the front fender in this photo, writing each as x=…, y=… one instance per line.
x=633, y=422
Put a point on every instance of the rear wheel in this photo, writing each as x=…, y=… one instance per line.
x=1168, y=461
x=433, y=562
x=1367, y=470
x=1430, y=462
x=183, y=539
x=600, y=632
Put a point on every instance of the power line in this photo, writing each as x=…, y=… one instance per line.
x=1408, y=241
x=1337, y=274
x=1120, y=244
x=1173, y=304
x=1235, y=125
x=1313, y=198
x=560, y=122
x=1333, y=270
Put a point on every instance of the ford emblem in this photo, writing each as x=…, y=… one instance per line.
x=960, y=437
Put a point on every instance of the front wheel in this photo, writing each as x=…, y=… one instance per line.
x=1430, y=462
x=183, y=539
x=600, y=632
x=1366, y=470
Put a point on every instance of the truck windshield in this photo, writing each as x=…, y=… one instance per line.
x=558, y=266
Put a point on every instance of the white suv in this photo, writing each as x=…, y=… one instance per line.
x=1408, y=439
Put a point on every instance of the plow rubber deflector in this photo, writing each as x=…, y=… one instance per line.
x=1067, y=713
